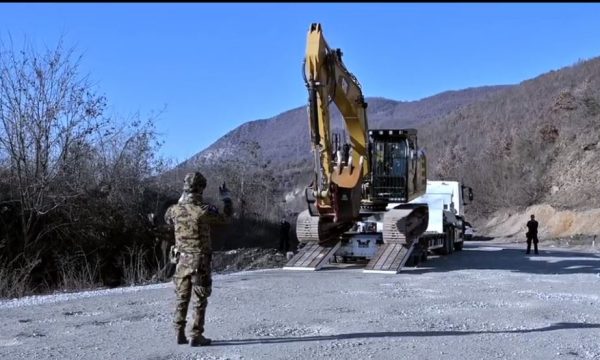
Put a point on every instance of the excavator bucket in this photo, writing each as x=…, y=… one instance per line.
x=347, y=176
x=347, y=182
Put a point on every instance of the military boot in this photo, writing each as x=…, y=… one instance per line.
x=200, y=341
x=198, y=327
x=181, y=339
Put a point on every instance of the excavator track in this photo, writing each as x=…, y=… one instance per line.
x=321, y=230
x=307, y=228
x=321, y=239
x=401, y=226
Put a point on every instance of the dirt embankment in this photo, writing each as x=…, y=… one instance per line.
x=558, y=227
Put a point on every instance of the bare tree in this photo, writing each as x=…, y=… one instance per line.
x=72, y=178
x=47, y=112
x=252, y=181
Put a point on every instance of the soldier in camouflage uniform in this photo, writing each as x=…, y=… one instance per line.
x=191, y=218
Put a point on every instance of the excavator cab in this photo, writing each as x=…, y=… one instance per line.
x=395, y=162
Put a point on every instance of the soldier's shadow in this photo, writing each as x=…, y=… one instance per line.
x=384, y=334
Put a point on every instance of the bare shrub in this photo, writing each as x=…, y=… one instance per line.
x=134, y=266
x=78, y=271
x=15, y=276
x=73, y=181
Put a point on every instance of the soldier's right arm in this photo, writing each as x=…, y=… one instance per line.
x=226, y=198
x=211, y=214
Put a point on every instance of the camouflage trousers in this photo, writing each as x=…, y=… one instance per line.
x=192, y=276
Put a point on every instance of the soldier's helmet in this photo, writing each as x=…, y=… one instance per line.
x=194, y=182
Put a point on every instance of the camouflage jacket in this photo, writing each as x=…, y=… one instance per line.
x=192, y=225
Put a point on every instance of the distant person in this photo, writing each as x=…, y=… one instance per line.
x=532, y=227
x=191, y=219
x=284, y=236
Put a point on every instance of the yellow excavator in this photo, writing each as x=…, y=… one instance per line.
x=361, y=192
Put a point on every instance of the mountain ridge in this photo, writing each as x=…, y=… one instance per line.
x=509, y=142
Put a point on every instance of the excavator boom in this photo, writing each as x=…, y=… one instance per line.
x=337, y=176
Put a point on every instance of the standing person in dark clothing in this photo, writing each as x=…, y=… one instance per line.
x=532, y=227
x=284, y=236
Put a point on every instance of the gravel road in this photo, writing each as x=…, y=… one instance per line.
x=490, y=301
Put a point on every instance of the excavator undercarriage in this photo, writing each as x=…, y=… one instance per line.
x=322, y=239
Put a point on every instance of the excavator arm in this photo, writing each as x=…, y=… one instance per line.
x=336, y=188
x=337, y=196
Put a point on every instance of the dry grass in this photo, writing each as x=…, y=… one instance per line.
x=134, y=266
x=15, y=276
x=77, y=272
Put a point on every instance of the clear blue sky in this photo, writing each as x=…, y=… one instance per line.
x=216, y=66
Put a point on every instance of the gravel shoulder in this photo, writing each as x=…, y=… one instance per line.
x=490, y=301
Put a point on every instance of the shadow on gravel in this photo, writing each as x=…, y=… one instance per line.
x=481, y=257
x=366, y=335
x=343, y=266
x=480, y=238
